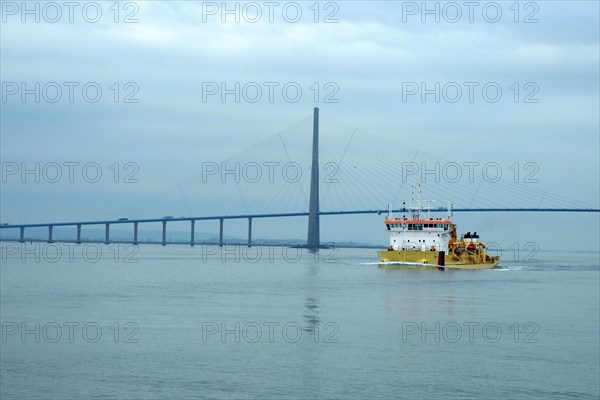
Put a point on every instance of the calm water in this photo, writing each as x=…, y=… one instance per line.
x=183, y=323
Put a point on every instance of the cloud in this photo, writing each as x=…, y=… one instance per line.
x=369, y=56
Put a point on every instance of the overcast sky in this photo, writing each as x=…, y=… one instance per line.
x=504, y=83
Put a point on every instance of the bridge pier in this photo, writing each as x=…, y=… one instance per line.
x=250, y=232
x=220, y=232
x=78, y=241
x=135, y=233
x=192, y=232
x=22, y=234
x=164, y=233
x=50, y=227
x=106, y=233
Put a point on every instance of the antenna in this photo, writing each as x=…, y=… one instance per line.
x=428, y=207
x=419, y=205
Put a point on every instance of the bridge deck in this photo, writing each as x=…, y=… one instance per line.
x=280, y=215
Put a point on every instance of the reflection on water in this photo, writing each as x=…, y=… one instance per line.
x=311, y=314
x=311, y=304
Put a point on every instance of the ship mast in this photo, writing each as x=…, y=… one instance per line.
x=428, y=207
x=416, y=214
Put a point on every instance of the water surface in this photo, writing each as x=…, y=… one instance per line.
x=187, y=322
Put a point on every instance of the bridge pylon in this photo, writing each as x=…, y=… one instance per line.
x=313, y=239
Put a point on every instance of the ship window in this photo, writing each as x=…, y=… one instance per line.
x=388, y=226
x=419, y=227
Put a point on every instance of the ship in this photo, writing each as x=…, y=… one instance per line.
x=423, y=241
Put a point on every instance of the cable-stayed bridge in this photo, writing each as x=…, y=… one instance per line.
x=338, y=170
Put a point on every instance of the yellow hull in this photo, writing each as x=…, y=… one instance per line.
x=430, y=258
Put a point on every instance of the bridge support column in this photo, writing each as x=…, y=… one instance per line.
x=192, y=232
x=22, y=234
x=250, y=232
x=135, y=233
x=78, y=241
x=107, y=233
x=221, y=232
x=50, y=227
x=164, y=233
x=313, y=239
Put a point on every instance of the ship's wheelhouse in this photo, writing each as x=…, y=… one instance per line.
x=422, y=235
